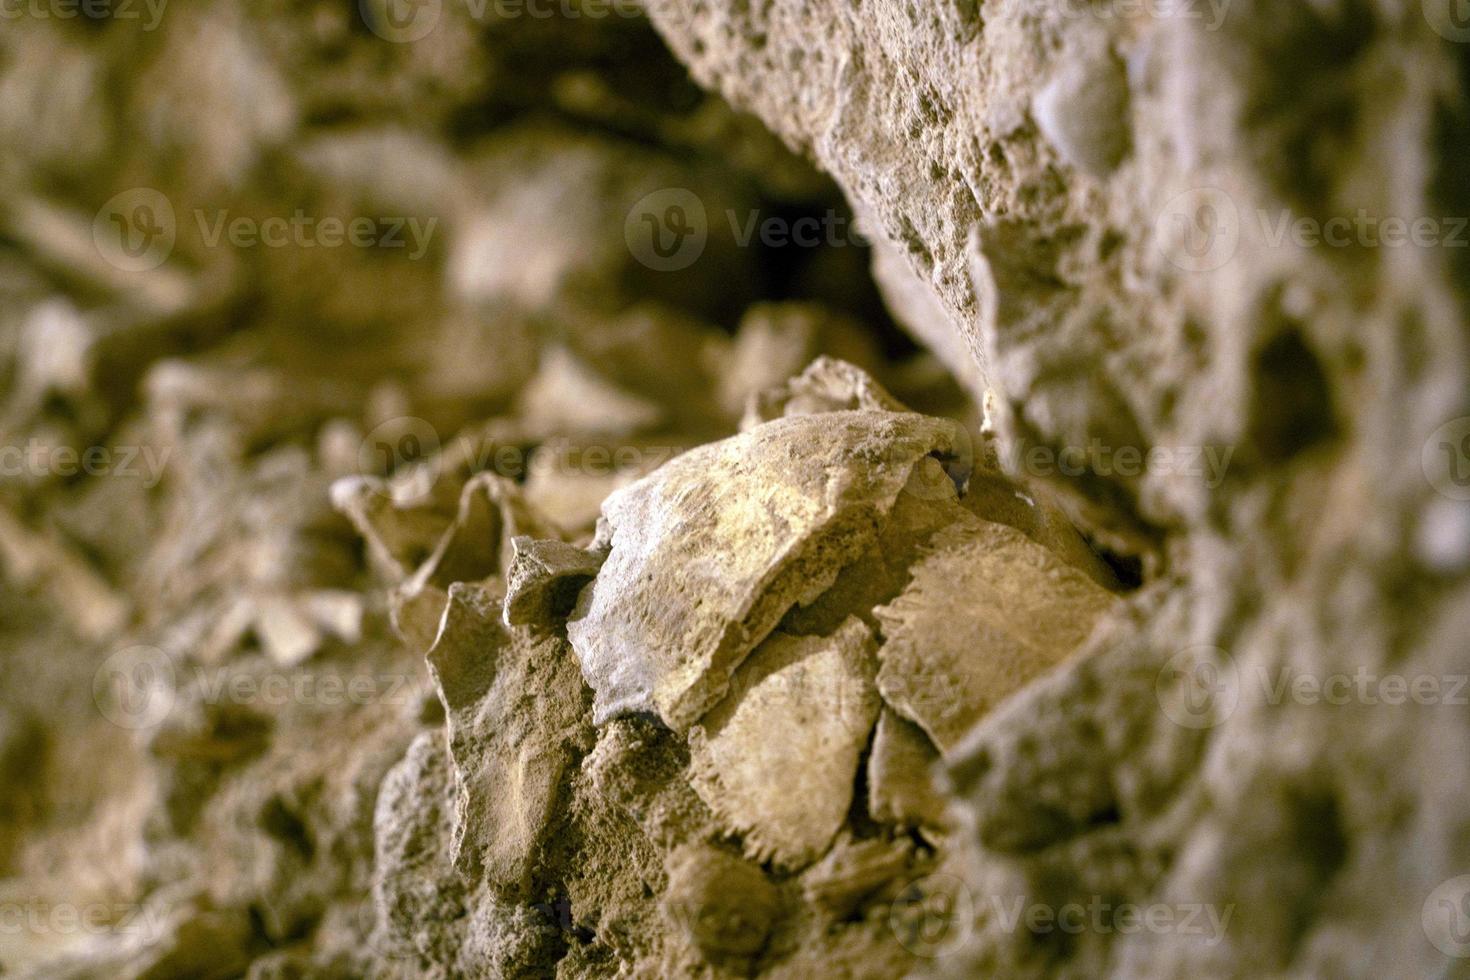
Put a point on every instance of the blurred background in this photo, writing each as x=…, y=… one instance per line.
x=248, y=249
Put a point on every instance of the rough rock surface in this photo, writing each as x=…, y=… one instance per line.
x=1200, y=269
x=513, y=712
x=945, y=670
x=818, y=693
x=1095, y=195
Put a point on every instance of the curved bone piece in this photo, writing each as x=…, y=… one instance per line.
x=788, y=796
x=709, y=552
x=988, y=611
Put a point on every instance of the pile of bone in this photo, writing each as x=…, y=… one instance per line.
x=735, y=694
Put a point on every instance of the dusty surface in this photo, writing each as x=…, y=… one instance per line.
x=456, y=521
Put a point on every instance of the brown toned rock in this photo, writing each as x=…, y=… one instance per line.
x=825, y=385
x=725, y=906
x=901, y=776
x=777, y=340
x=543, y=580
x=515, y=709
x=855, y=872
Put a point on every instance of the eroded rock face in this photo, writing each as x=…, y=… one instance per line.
x=514, y=712
x=1095, y=201
x=1198, y=267
x=788, y=806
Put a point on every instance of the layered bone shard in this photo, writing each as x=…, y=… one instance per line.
x=775, y=761
x=707, y=554
x=987, y=611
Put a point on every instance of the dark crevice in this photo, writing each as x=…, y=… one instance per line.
x=1291, y=410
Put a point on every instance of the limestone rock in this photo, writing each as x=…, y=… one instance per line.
x=544, y=578
x=1082, y=109
x=901, y=776
x=725, y=905
x=777, y=340
x=514, y=710
x=826, y=385
x=856, y=872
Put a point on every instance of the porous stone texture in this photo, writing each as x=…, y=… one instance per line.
x=522, y=595
x=1098, y=196
x=1009, y=589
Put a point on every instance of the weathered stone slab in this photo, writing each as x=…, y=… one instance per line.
x=514, y=706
